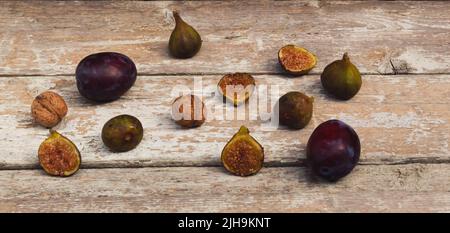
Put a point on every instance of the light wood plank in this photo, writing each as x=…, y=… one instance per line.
x=400, y=119
x=381, y=37
x=369, y=188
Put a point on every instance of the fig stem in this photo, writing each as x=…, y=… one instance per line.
x=243, y=130
x=177, y=17
x=345, y=57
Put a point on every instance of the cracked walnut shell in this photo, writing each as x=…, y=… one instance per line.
x=48, y=109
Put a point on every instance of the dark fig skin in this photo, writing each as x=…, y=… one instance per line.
x=341, y=78
x=106, y=76
x=333, y=150
x=122, y=133
x=184, y=41
x=295, y=109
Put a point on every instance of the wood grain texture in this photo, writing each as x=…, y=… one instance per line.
x=45, y=37
x=369, y=188
x=399, y=118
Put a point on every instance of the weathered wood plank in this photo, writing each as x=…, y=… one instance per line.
x=45, y=37
x=369, y=188
x=400, y=119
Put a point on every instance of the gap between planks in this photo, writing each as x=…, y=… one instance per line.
x=212, y=73
x=400, y=188
x=142, y=164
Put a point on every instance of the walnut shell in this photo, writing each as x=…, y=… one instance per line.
x=48, y=109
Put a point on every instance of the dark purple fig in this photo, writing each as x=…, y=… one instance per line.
x=184, y=41
x=106, y=76
x=122, y=133
x=295, y=109
x=341, y=78
x=58, y=156
x=333, y=150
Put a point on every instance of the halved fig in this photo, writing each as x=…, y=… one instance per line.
x=237, y=87
x=243, y=155
x=296, y=60
x=58, y=156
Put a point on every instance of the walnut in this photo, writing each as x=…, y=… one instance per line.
x=48, y=109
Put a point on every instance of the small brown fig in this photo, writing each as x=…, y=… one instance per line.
x=296, y=60
x=188, y=111
x=58, y=156
x=237, y=87
x=341, y=78
x=295, y=109
x=48, y=109
x=122, y=133
x=243, y=155
x=184, y=41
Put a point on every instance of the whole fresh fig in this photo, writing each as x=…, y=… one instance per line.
x=105, y=76
x=295, y=109
x=188, y=111
x=341, y=78
x=122, y=133
x=333, y=150
x=184, y=41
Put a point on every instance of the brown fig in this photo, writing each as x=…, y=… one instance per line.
x=296, y=60
x=184, y=41
x=237, y=87
x=188, y=111
x=341, y=78
x=243, y=155
x=295, y=109
x=59, y=156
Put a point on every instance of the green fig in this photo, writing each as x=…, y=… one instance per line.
x=184, y=41
x=122, y=133
x=243, y=155
x=295, y=109
x=341, y=78
x=58, y=156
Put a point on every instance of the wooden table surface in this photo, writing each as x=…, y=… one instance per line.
x=401, y=113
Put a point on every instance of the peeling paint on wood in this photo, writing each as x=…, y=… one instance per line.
x=380, y=37
x=396, y=122
x=401, y=114
x=369, y=188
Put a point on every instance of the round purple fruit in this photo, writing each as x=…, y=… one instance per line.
x=105, y=76
x=333, y=150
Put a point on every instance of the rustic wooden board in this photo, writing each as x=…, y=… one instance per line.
x=402, y=120
x=399, y=118
x=381, y=37
x=369, y=188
